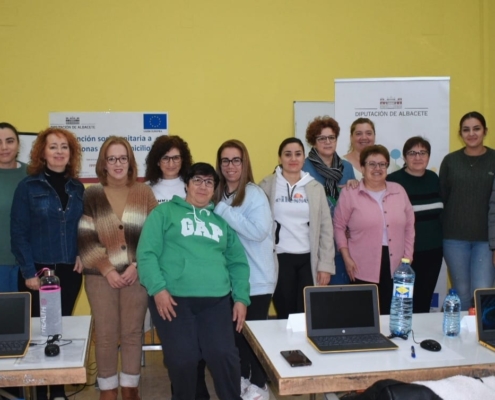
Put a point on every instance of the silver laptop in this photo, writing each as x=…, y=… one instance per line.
x=15, y=324
x=344, y=318
x=484, y=300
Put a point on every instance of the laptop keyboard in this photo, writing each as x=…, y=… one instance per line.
x=15, y=347
x=335, y=341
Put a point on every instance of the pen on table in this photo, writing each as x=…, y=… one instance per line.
x=413, y=353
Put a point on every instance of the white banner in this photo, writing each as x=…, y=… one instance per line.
x=93, y=128
x=400, y=108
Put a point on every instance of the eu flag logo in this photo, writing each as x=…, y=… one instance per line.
x=154, y=121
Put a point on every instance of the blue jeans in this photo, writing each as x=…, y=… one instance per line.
x=8, y=278
x=340, y=277
x=470, y=267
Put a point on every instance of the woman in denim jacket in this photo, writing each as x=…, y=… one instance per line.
x=45, y=214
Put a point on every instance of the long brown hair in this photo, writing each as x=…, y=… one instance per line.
x=37, y=155
x=246, y=173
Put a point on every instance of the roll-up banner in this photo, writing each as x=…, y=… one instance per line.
x=400, y=108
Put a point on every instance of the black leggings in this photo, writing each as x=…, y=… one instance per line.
x=250, y=366
x=294, y=274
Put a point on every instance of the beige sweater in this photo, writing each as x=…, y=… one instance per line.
x=107, y=242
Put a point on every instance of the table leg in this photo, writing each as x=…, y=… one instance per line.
x=312, y=396
x=29, y=392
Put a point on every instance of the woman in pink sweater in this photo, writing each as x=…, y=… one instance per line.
x=380, y=222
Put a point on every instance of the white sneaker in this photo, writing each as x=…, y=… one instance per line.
x=254, y=392
x=245, y=383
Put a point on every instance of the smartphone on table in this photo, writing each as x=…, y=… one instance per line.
x=296, y=358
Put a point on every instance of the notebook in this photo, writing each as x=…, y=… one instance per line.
x=484, y=301
x=15, y=324
x=344, y=318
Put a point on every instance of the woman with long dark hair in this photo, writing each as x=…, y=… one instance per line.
x=303, y=229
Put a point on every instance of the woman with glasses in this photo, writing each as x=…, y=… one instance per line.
x=423, y=189
x=194, y=267
x=466, y=181
x=303, y=229
x=325, y=165
x=45, y=212
x=245, y=208
x=374, y=226
x=166, y=165
x=109, y=230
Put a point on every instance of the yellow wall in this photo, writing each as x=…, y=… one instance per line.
x=226, y=69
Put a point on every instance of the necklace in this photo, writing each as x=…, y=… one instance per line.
x=476, y=157
x=227, y=193
x=472, y=162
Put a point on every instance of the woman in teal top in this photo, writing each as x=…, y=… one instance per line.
x=11, y=173
x=423, y=189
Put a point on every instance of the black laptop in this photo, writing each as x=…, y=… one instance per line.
x=15, y=324
x=344, y=318
x=484, y=300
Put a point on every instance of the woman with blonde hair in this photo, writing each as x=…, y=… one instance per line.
x=45, y=212
x=109, y=231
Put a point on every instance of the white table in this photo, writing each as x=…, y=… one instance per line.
x=36, y=369
x=354, y=371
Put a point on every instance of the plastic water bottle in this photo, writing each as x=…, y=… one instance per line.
x=401, y=309
x=452, y=314
x=50, y=304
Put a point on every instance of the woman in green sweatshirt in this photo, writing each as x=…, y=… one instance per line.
x=192, y=263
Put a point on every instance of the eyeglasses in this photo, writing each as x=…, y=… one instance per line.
x=122, y=159
x=236, y=161
x=197, y=181
x=374, y=165
x=324, y=139
x=412, y=153
x=166, y=159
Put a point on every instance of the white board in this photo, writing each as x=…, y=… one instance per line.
x=26, y=140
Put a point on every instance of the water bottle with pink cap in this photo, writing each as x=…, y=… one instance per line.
x=50, y=304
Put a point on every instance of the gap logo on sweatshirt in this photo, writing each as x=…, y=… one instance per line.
x=188, y=229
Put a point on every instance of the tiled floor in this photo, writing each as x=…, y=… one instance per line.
x=155, y=384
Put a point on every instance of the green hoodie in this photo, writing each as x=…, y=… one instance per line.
x=191, y=252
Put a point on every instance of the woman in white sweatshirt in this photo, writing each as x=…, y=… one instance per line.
x=303, y=229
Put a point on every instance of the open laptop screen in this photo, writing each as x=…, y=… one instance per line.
x=487, y=312
x=337, y=310
x=15, y=316
x=12, y=316
x=334, y=310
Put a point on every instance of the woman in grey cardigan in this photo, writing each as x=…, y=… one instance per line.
x=303, y=229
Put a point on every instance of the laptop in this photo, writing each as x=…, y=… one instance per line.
x=484, y=301
x=344, y=319
x=15, y=324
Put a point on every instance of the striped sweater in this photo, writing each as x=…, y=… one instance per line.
x=424, y=195
x=106, y=242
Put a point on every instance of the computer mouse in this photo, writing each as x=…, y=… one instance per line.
x=430, y=345
x=52, y=350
